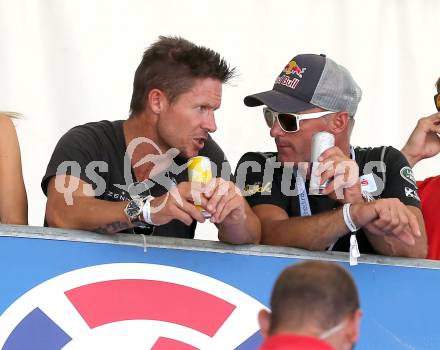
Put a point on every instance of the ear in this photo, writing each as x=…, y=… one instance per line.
x=339, y=122
x=156, y=100
x=264, y=321
x=353, y=327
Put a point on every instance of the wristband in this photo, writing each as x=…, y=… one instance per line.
x=354, y=250
x=347, y=218
x=146, y=211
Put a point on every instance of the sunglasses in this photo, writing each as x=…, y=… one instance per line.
x=289, y=122
x=437, y=101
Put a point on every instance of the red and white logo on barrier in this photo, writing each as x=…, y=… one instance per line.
x=130, y=306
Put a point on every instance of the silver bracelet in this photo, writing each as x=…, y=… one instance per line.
x=347, y=218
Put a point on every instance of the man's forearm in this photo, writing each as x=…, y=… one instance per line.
x=113, y=227
x=315, y=232
x=88, y=213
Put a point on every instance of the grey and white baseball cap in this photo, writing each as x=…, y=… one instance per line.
x=310, y=81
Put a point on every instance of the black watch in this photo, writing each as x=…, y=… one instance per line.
x=133, y=210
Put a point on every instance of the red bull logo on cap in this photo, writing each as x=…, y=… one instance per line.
x=293, y=68
x=287, y=78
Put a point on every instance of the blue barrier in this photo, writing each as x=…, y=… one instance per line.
x=64, y=289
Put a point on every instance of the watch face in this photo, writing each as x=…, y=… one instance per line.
x=134, y=208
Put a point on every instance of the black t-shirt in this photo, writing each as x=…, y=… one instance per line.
x=94, y=152
x=384, y=173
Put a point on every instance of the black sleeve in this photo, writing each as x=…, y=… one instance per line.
x=258, y=182
x=399, y=181
x=73, y=152
x=213, y=151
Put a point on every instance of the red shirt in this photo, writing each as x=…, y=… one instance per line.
x=429, y=192
x=294, y=342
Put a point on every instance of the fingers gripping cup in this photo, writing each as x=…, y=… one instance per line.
x=199, y=170
x=321, y=142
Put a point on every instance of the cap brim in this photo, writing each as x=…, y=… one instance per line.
x=277, y=101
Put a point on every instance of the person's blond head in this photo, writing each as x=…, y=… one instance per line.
x=11, y=114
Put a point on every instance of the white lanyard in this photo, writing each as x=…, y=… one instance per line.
x=353, y=155
x=304, y=205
